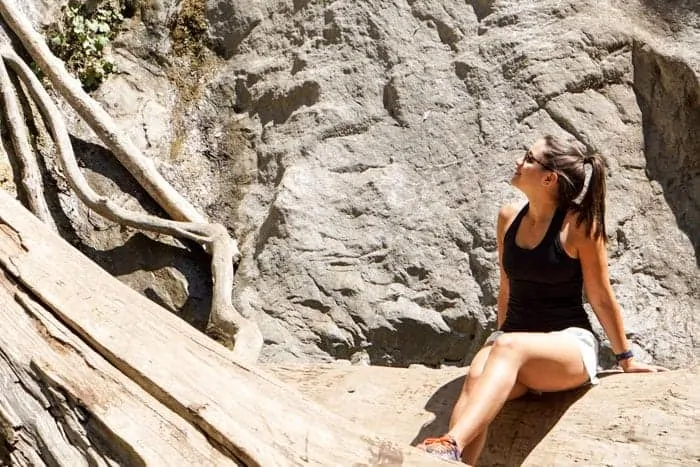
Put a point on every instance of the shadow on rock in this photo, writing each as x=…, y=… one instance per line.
x=668, y=93
x=181, y=281
x=178, y=277
x=672, y=11
x=106, y=175
x=518, y=428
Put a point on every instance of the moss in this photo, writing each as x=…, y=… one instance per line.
x=188, y=29
x=191, y=59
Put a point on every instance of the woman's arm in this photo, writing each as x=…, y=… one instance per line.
x=505, y=216
x=596, y=281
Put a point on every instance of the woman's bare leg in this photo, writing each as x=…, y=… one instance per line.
x=544, y=362
x=472, y=451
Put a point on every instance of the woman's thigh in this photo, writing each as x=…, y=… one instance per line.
x=548, y=361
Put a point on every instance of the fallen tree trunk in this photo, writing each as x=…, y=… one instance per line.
x=628, y=419
x=63, y=404
x=244, y=413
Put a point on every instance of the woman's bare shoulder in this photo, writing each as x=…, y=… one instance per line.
x=508, y=211
x=506, y=216
x=578, y=232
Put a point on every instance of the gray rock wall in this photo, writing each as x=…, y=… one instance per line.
x=360, y=149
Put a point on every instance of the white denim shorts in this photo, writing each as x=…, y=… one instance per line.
x=585, y=340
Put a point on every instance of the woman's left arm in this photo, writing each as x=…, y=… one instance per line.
x=600, y=295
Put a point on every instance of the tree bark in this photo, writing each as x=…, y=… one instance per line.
x=63, y=404
x=32, y=185
x=244, y=413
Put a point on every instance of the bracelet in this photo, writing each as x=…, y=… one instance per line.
x=624, y=355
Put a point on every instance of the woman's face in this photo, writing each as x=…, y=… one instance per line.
x=530, y=171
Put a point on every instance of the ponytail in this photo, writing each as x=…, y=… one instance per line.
x=591, y=207
x=581, y=186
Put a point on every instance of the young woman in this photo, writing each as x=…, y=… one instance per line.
x=549, y=249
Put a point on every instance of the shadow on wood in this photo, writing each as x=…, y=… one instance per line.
x=517, y=429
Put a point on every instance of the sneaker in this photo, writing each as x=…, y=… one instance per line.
x=444, y=447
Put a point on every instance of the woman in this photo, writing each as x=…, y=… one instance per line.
x=549, y=249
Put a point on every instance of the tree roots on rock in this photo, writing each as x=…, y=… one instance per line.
x=226, y=324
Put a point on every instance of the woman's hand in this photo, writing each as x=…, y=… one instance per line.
x=630, y=365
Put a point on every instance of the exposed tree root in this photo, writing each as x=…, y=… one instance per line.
x=97, y=119
x=225, y=323
x=30, y=174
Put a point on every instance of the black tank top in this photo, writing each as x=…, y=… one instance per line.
x=545, y=282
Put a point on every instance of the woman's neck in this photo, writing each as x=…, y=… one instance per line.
x=541, y=210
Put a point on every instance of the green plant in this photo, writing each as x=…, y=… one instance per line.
x=80, y=38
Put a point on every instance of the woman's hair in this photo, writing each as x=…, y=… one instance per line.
x=578, y=191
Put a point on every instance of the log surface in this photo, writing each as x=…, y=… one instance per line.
x=626, y=420
x=63, y=404
x=244, y=412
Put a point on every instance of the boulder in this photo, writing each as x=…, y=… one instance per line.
x=359, y=151
x=376, y=200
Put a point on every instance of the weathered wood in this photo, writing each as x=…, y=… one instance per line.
x=27, y=427
x=628, y=419
x=63, y=403
x=242, y=409
x=30, y=173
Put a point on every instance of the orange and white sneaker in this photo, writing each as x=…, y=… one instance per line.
x=444, y=447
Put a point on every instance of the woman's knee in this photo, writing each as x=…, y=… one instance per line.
x=473, y=375
x=507, y=345
x=476, y=369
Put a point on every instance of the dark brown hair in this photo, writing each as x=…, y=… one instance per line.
x=568, y=158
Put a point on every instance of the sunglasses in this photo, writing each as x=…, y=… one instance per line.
x=529, y=158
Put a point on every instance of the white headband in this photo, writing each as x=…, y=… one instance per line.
x=588, y=167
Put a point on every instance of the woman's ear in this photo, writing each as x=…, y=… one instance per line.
x=550, y=178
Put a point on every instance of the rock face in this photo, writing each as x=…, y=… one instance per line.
x=359, y=150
